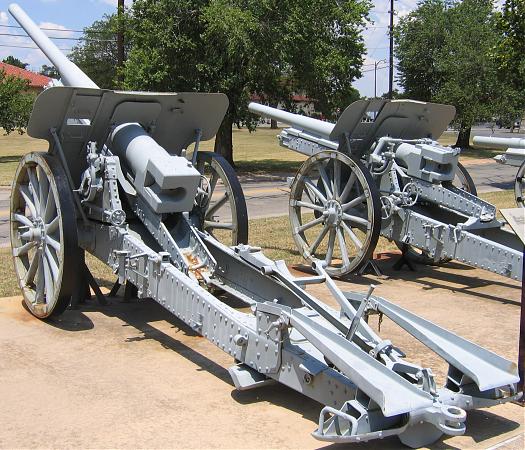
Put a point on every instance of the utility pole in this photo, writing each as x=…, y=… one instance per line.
x=375, y=75
x=391, y=68
x=120, y=39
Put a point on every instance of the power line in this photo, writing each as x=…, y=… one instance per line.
x=61, y=38
x=55, y=29
x=32, y=48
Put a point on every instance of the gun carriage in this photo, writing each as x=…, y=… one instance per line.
x=379, y=171
x=514, y=156
x=117, y=183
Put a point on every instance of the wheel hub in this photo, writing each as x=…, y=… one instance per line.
x=333, y=212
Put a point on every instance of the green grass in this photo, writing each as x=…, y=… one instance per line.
x=273, y=235
x=256, y=153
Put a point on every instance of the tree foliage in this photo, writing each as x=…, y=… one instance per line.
x=49, y=71
x=510, y=52
x=445, y=51
x=97, y=54
x=15, y=103
x=271, y=48
x=15, y=62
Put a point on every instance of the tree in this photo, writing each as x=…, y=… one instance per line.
x=15, y=62
x=97, y=54
x=270, y=48
x=510, y=53
x=444, y=51
x=15, y=103
x=49, y=71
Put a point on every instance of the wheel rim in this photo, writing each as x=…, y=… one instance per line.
x=223, y=212
x=519, y=187
x=335, y=212
x=38, y=237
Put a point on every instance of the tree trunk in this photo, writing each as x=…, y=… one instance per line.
x=463, y=140
x=273, y=124
x=223, y=140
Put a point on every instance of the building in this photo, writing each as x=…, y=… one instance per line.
x=37, y=82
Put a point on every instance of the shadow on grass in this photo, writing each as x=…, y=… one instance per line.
x=267, y=166
x=10, y=158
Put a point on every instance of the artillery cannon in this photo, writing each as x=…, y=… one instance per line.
x=379, y=171
x=116, y=182
x=514, y=156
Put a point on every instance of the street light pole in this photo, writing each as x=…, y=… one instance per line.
x=375, y=75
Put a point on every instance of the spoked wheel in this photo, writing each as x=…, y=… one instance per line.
x=463, y=181
x=223, y=210
x=335, y=212
x=519, y=186
x=43, y=234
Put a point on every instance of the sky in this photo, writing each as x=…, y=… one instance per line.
x=77, y=14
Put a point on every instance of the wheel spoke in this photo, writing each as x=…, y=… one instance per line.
x=52, y=264
x=326, y=182
x=344, y=250
x=53, y=226
x=217, y=225
x=23, y=220
x=35, y=188
x=31, y=271
x=20, y=251
x=40, y=282
x=348, y=187
x=331, y=245
x=50, y=206
x=29, y=201
x=53, y=243
x=309, y=206
x=220, y=203
x=319, y=239
x=43, y=183
x=337, y=177
x=353, y=236
x=313, y=189
x=48, y=281
x=309, y=225
x=213, y=183
x=354, y=202
x=356, y=219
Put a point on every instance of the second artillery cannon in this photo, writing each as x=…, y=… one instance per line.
x=379, y=171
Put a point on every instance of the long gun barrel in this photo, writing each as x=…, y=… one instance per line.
x=295, y=120
x=69, y=72
x=499, y=142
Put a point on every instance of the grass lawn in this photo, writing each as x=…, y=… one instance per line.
x=272, y=234
x=255, y=153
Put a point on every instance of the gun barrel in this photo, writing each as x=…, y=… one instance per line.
x=499, y=142
x=70, y=73
x=297, y=121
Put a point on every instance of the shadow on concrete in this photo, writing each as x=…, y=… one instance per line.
x=70, y=320
x=431, y=277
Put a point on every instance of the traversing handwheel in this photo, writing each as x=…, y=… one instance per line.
x=44, y=234
x=519, y=186
x=223, y=212
x=463, y=181
x=335, y=212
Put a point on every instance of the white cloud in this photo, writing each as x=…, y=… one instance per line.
x=4, y=18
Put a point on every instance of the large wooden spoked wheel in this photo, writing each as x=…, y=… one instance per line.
x=223, y=214
x=335, y=212
x=519, y=186
x=462, y=180
x=43, y=235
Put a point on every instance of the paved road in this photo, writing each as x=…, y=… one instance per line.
x=270, y=198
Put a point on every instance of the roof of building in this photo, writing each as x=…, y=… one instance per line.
x=35, y=79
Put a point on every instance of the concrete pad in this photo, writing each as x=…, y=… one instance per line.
x=131, y=375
